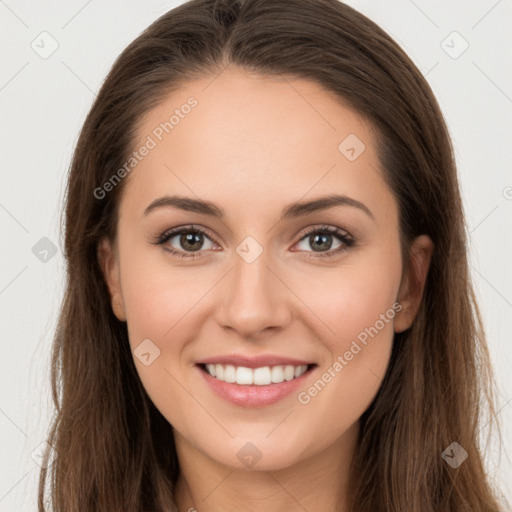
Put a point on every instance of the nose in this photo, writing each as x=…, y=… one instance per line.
x=253, y=299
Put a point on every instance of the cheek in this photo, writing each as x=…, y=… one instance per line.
x=351, y=299
x=156, y=296
x=358, y=306
x=159, y=302
x=366, y=306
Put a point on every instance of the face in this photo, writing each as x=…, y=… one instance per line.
x=302, y=301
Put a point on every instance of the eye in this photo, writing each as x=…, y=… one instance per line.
x=321, y=240
x=190, y=238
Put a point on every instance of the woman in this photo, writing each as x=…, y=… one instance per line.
x=268, y=303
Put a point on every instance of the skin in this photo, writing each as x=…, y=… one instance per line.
x=253, y=145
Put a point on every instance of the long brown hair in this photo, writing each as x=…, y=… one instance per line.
x=107, y=434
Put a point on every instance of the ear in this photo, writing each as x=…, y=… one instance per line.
x=109, y=263
x=413, y=282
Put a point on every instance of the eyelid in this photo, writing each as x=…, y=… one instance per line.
x=170, y=233
x=309, y=230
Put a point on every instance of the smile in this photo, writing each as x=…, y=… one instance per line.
x=262, y=376
x=255, y=386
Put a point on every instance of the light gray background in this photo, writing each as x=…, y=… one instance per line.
x=43, y=103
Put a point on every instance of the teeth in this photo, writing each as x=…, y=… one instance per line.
x=277, y=374
x=229, y=373
x=262, y=376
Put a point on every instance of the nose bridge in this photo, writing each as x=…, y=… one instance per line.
x=253, y=299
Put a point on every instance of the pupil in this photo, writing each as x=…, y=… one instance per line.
x=324, y=240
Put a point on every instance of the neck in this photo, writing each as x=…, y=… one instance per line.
x=315, y=483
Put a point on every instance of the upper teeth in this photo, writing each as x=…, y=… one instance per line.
x=258, y=376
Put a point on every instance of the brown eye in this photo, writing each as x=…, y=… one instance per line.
x=191, y=241
x=320, y=241
x=326, y=241
x=185, y=241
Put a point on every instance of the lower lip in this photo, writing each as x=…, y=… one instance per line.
x=251, y=395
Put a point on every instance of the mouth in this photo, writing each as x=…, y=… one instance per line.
x=254, y=386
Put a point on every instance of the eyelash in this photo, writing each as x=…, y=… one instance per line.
x=346, y=239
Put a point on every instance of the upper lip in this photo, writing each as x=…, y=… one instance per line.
x=255, y=361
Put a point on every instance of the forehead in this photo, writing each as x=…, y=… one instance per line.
x=255, y=141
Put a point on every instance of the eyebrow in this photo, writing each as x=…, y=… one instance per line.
x=293, y=210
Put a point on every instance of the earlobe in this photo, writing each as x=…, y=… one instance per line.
x=109, y=265
x=413, y=282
